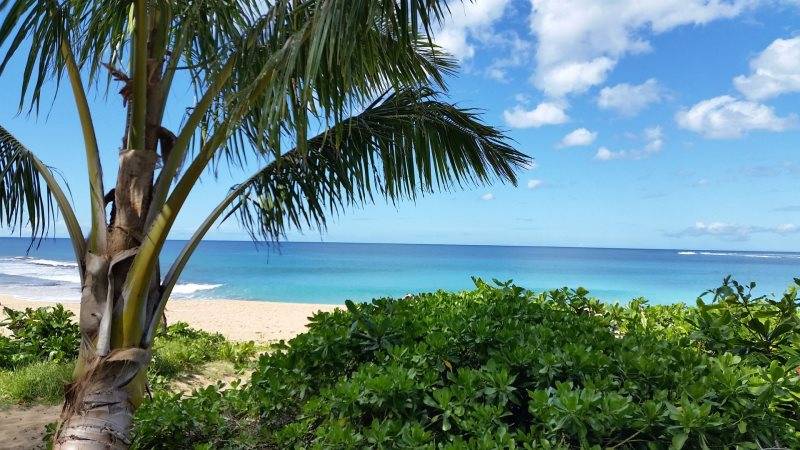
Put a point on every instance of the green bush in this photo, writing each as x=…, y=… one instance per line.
x=42, y=334
x=504, y=367
x=40, y=381
x=180, y=349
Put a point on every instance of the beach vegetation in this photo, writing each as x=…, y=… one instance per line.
x=38, y=335
x=39, y=346
x=503, y=367
x=36, y=382
x=334, y=103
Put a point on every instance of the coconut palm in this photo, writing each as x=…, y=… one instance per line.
x=364, y=76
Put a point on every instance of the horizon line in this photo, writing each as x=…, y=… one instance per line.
x=278, y=243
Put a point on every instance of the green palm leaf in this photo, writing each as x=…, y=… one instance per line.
x=29, y=194
x=405, y=144
x=408, y=143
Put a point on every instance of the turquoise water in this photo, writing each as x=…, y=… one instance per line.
x=333, y=272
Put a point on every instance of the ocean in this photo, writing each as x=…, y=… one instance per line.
x=333, y=272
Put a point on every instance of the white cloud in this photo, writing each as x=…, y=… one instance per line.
x=774, y=71
x=732, y=231
x=577, y=138
x=580, y=41
x=573, y=76
x=726, y=117
x=604, y=154
x=653, y=138
x=535, y=184
x=516, y=53
x=487, y=196
x=545, y=113
x=630, y=99
x=469, y=21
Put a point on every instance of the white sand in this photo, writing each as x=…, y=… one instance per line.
x=236, y=319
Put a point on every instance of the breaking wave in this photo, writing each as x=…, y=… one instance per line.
x=745, y=255
x=192, y=288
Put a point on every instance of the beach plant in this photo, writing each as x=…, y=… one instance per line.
x=339, y=102
x=35, y=335
x=500, y=367
x=38, y=349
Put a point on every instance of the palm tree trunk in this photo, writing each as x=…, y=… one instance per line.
x=109, y=382
x=110, y=376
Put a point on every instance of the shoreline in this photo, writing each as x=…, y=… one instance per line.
x=237, y=320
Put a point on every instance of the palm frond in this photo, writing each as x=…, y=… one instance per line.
x=404, y=144
x=408, y=143
x=42, y=24
x=314, y=62
x=29, y=194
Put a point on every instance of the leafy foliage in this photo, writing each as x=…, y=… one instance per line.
x=42, y=334
x=24, y=198
x=760, y=327
x=36, y=358
x=180, y=348
x=404, y=144
x=500, y=366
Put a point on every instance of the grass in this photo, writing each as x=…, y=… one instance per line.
x=41, y=382
x=36, y=359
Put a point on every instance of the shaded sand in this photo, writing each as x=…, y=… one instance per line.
x=235, y=319
x=22, y=427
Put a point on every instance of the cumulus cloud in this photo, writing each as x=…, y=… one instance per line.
x=578, y=138
x=653, y=138
x=580, y=41
x=487, y=196
x=545, y=113
x=604, y=154
x=573, y=76
x=469, y=22
x=727, y=117
x=733, y=231
x=774, y=71
x=535, y=184
x=630, y=99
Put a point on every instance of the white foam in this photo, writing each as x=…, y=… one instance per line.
x=41, y=269
x=48, y=262
x=745, y=255
x=191, y=288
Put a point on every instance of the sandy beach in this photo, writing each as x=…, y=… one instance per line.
x=236, y=319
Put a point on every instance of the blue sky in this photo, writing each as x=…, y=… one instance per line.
x=658, y=124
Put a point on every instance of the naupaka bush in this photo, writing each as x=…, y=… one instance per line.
x=503, y=367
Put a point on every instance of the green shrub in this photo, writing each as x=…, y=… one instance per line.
x=180, y=349
x=504, y=367
x=42, y=334
x=36, y=382
x=759, y=327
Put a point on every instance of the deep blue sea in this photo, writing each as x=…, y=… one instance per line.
x=334, y=272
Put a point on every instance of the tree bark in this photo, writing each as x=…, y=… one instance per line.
x=110, y=381
x=98, y=412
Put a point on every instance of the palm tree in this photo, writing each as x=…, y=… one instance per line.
x=363, y=74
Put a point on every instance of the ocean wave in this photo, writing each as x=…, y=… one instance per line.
x=47, y=262
x=744, y=255
x=41, y=269
x=191, y=288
